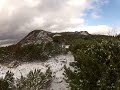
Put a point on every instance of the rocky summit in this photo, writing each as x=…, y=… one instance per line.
x=84, y=33
x=41, y=36
x=36, y=37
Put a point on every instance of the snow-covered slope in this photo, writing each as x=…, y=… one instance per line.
x=56, y=64
x=36, y=37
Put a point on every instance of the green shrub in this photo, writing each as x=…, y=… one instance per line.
x=8, y=82
x=97, y=66
x=35, y=80
x=30, y=52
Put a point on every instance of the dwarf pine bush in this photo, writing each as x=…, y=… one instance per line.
x=7, y=83
x=97, y=66
x=35, y=80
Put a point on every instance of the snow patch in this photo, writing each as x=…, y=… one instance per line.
x=56, y=64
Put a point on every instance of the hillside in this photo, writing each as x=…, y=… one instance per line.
x=61, y=61
x=39, y=45
x=36, y=37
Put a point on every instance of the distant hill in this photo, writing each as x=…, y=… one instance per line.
x=36, y=37
x=41, y=36
x=40, y=45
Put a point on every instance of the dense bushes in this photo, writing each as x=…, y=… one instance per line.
x=37, y=52
x=35, y=80
x=4, y=85
x=97, y=66
x=30, y=52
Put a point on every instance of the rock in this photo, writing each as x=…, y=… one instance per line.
x=36, y=37
x=84, y=33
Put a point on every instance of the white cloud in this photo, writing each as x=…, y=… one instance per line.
x=96, y=7
x=18, y=17
x=100, y=29
x=95, y=15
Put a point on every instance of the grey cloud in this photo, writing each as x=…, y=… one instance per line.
x=9, y=26
x=56, y=14
x=51, y=5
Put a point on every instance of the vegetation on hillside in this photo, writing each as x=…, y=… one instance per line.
x=96, y=66
x=35, y=80
x=30, y=52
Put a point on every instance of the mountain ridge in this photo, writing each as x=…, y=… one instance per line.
x=42, y=36
x=36, y=37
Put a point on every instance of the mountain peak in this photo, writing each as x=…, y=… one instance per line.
x=36, y=37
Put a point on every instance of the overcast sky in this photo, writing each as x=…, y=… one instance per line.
x=19, y=17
